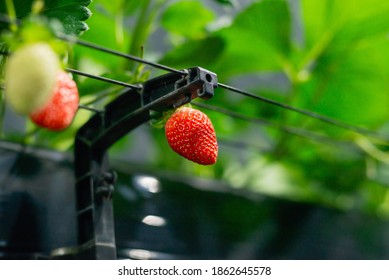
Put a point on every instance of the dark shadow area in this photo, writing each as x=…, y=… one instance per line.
x=167, y=216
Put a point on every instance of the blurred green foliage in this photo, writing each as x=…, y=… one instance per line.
x=325, y=56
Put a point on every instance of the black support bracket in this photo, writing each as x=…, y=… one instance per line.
x=94, y=180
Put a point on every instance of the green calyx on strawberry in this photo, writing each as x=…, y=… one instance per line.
x=58, y=113
x=191, y=134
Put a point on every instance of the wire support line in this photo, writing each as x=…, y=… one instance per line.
x=104, y=79
x=88, y=75
x=71, y=39
x=80, y=42
x=311, y=114
x=287, y=129
x=88, y=108
x=235, y=144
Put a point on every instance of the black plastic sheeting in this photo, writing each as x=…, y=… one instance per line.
x=167, y=216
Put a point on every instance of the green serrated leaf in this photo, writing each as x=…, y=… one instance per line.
x=71, y=13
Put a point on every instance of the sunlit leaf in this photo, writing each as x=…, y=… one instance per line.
x=347, y=50
x=352, y=19
x=187, y=18
x=350, y=88
x=202, y=53
x=258, y=39
x=269, y=21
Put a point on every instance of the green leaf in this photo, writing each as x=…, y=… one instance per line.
x=112, y=8
x=71, y=13
x=104, y=33
x=351, y=86
x=321, y=16
x=338, y=25
x=202, y=53
x=346, y=53
x=244, y=53
x=257, y=40
x=269, y=21
x=187, y=18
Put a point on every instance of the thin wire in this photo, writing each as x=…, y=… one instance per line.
x=311, y=114
x=100, y=78
x=71, y=39
x=84, y=107
x=104, y=79
x=80, y=42
x=287, y=129
x=239, y=145
x=307, y=113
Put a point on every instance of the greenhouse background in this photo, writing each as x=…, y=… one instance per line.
x=286, y=185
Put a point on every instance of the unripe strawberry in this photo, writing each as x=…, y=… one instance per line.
x=58, y=113
x=30, y=76
x=190, y=133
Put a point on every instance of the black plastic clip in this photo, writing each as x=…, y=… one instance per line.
x=179, y=90
x=106, y=185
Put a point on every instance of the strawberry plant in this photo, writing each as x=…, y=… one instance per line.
x=327, y=57
x=34, y=82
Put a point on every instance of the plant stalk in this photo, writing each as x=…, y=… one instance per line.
x=142, y=29
x=12, y=15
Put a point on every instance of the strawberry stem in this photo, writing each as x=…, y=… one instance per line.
x=12, y=15
x=2, y=111
x=158, y=120
x=2, y=90
x=38, y=6
x=142, y=28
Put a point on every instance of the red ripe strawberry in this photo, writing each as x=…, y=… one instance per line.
x=59, y=112
x=190, y=133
